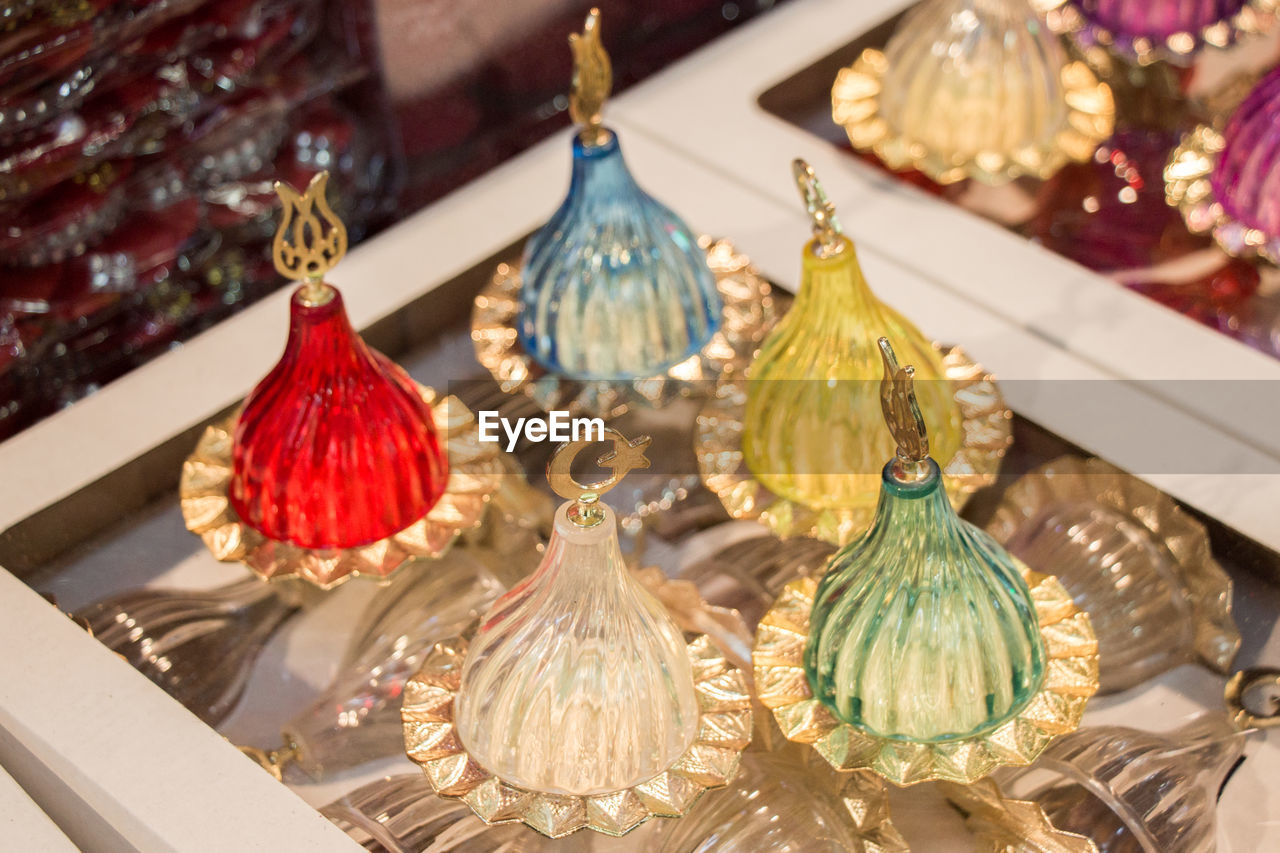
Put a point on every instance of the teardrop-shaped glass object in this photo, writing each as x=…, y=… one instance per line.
x=1133, y=791
x=1246, y=178
x=357, y=719
x=974, y=88
x=198, y=645
x=578, y=681
x=812, y=431
x=336, y=447
x=923, y=629
x=614, y=286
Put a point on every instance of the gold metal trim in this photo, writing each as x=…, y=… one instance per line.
x=1072, y=480
x=724, y=730
x=749, y=314
x=1188, y=187
x=1071, y=677
x=1004, y=825
x=855, y=105
x=592, y=81
x=988, y=433
x=475, y=472
x=1256, y=16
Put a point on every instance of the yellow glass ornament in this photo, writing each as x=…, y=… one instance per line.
x=812, y=431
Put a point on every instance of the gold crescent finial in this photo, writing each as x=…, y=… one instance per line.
x=822, y=213
x=624, y=457
x=902, y=415
x=311, y=239
x=592, y=80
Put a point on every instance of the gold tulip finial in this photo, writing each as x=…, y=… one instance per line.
x=592, y=80
x=310, y=240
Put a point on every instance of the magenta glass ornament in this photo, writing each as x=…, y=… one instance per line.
x=1246, y=178
x=1171, y=29
x=336, y=447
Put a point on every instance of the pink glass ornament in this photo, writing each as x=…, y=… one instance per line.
x=335, y=448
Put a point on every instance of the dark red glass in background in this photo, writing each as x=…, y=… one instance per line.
x=204, y=100
x=335, y=448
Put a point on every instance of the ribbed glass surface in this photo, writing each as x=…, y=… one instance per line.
x=1134, y=791
x=1247, y=178
x=578, y=682
x=357, y=718
x=923, y=629
x=813, y=429
x=1124, y=578
x=1157, y=19
x=614, y=286
x=335, y=448
x=966, y=77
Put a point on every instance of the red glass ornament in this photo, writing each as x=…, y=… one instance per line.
x=335, y=448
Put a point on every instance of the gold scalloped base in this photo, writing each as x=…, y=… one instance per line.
x=1256, y=16
x=855, y=106
x=1003, y=825
x=988, y=432
x=475, y=471
x=748, y=316
x=1094, y=482
x=1188, y=187
x=1071, y=677
x=724, y=730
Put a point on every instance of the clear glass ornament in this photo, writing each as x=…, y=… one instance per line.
x=614, y=286
x=1129, y=557
x=924, y=629
x=780, y=801
x=357, y=718
x=578, y=681
x=1133, y=791
x=198, y=645
x=811, y=431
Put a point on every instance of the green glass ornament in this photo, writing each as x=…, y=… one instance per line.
x=924, y=629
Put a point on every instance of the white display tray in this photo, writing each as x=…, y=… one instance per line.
x=119, y=765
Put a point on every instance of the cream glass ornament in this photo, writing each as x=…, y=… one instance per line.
x=973, y=89
x=578, y=681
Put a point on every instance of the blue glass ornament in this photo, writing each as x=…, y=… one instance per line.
x=614, y=286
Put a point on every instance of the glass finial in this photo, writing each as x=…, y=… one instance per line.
x=818, y=372
x=578, y=681
x=614, y=286
x=924, y=629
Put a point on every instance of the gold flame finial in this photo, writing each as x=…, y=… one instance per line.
x=822, y=213
x=592, y=80
x=627, y=455
x=902, y=415
x=311, y=238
